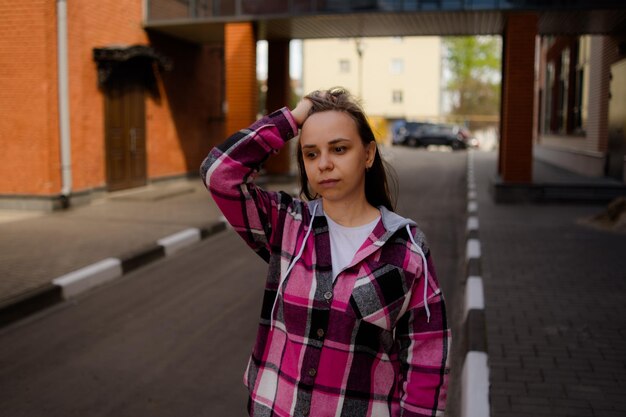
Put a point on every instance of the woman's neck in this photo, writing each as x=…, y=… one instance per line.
x=349, y=213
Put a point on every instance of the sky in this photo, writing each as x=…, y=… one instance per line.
x=295, y=59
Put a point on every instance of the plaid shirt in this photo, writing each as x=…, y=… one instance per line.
x=361, y=346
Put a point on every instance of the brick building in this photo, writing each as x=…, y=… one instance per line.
x=142, y=106
x=103, y=96
x=580, y=87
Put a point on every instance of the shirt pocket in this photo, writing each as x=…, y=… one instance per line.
x=380, y=298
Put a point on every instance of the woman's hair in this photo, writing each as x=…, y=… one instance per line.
x=377, y=191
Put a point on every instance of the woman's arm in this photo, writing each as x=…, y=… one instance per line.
x=228, y=172
x=423, y=347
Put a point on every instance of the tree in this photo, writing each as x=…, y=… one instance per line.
x=474, y=65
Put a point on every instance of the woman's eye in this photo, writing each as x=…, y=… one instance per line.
x=310, y=155
x=340, y=149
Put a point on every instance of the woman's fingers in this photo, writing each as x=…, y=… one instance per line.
x=301, y=112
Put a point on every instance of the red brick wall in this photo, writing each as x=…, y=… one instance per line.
x=181, y=123
x=518, y=98
x=94, y=24
x=241, y=91
x=29, y=161
x=186, y=120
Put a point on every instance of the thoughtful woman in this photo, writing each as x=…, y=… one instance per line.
x=353, y=321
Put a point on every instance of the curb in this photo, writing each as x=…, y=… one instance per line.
x=76, y=282
x=475, y=373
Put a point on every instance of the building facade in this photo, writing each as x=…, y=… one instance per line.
x=136, y=106
x=581, y=104
x=396, y=77
x=102, y=96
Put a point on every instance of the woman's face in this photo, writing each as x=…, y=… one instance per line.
x=334, y=156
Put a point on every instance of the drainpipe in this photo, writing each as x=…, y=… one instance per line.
x=64, y=105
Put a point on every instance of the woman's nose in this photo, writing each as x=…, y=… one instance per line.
x=325, y=163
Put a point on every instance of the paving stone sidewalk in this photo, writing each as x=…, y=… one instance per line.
x=555, y=303
x=36, y=249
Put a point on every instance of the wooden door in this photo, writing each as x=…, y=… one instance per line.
x=125, y=127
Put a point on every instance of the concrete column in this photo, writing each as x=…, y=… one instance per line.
x=240, y=74
x=517, y=111
x=278, y=90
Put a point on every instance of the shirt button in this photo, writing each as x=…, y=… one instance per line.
x=320, y=332
x=312, y=372
x=328, y=295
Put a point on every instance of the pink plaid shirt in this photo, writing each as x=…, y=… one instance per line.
x=361, y=346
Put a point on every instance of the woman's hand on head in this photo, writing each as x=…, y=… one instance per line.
x=301, y=112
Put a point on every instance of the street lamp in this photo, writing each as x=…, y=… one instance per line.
x=358, y=43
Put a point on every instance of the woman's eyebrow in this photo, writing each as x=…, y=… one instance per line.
x=335, y=141
x=332, y=142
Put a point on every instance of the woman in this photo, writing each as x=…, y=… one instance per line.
x=353, y=321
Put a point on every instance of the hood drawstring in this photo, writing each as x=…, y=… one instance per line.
x=421, y=252
x=291, y=265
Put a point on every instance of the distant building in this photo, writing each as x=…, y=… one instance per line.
x=105, y=96
x=574, y=131
x=397, y=77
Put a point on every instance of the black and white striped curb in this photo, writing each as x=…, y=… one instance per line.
x=76, y=282
x=475, y=374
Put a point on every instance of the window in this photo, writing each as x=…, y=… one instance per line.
x=581, y=98
x=563, y=91
x=566, y=89
x=396, y=96
x=549, y=88
x=344, y=66
x=397, y=66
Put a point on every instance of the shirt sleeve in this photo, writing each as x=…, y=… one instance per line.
x=228, y=173
x=423, y=346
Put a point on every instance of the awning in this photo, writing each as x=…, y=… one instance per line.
x=121, y=57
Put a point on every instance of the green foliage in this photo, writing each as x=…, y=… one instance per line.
x=294, y=98
x=474, y=63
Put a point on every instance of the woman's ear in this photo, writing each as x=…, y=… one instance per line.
x=370, y=152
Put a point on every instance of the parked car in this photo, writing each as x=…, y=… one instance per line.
x=418, y=134
x=396, y=129
x=403, y=129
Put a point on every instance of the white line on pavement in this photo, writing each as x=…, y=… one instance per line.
x=474, y=296
x=178, y=241
x=475, y=380
x=473, y=248
x=88, y=277
x=472, y=223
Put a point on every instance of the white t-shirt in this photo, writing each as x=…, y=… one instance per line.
x=346, y=241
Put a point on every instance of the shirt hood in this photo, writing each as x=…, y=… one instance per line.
x=391, y=221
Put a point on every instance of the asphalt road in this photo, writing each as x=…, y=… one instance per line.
x=172, y=339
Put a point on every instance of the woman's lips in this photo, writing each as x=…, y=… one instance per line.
x=328, y=183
